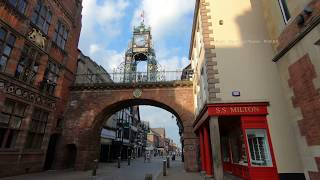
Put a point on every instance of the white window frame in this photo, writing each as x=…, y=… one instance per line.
x=285, y=18
x=267, y=154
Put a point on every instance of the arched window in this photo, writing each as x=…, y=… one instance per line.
x=41, y=17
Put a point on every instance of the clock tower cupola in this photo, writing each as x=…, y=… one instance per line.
x=141, y=50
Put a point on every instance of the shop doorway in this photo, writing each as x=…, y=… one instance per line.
x=51, y=151
x=71, y=155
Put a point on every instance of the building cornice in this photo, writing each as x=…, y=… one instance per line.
x=297, y=39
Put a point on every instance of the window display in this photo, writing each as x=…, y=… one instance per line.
x=258, y=147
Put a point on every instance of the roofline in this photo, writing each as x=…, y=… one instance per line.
x=195, y=17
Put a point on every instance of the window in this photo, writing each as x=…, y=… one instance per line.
x=19, y=5
x=284, y=10
x=41, y=16
x=6, y=45
x=50, y=78
x=60, y=35
x=10, y=122
x=28, y=65
x=37, y=128
x=258, y=147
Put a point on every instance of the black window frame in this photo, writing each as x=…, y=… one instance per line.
x=284, y=10
x=50, y=78
x=4, y=43
x=37, y=128
x=17, y=5
x=42, y=17
x=60, y=35
x=10, y=130
x=29, y=62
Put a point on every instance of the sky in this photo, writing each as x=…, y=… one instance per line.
x=107, y=28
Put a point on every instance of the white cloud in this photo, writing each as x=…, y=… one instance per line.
x=106, y=16
x=93, y=48
x=164, y=16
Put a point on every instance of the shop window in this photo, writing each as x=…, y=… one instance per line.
x=41, y=17
x=238, y=149
x=258, y=147
x=10, y=122
x=50, y=78
x=6, y=45
x=225, y=149
x=37, y=129
x=28, y=65
x=19, y=5
x=60, y=35
x=284, y=10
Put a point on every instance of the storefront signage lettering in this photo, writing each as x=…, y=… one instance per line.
x=239, y=110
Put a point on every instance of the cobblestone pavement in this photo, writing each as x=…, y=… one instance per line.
x=106, y=171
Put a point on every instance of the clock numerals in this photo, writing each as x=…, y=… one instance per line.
x=140, y=40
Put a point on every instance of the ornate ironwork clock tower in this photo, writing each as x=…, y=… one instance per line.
x=140, y=49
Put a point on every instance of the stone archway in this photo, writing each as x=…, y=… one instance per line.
x=89, y=106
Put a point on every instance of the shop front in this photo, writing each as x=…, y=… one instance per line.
x=245, y=144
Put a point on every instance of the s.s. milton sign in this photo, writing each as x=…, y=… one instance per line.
x=237, y=110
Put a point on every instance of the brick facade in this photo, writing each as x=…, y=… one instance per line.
x=307, y=99
x=19, y=159
x=89, y=107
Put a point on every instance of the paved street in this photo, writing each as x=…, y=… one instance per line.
x=106, y=171
x=109, y=171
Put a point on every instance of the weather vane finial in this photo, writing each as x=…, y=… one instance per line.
x=142, y=17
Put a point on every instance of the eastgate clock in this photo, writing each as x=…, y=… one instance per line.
x=140, y=40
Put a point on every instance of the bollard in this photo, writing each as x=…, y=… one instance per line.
x=119, y=161
x=148, y=177
x=129, y=158
x=168, y=162
x=164, y=167
x=95, y=167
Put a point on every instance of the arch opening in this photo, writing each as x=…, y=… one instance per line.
x=147, y=137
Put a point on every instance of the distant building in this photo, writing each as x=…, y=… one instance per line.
x=124, y=134
x=88, y=71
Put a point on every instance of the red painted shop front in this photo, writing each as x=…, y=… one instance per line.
x=246, y=148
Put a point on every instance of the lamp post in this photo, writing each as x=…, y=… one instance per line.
x=120, y=153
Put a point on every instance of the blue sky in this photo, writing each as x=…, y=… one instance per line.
x=107, y=28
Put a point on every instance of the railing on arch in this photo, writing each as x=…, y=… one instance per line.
x=136, y=77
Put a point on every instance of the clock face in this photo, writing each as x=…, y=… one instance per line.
x=140, y=40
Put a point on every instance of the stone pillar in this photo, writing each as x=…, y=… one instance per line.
x=207, y=150
x=190, y=144
x=203, y=165
x=216, y=147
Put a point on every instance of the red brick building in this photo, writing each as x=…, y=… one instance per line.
x=38, y=58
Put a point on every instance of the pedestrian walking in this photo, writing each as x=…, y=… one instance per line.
x=148, y=157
